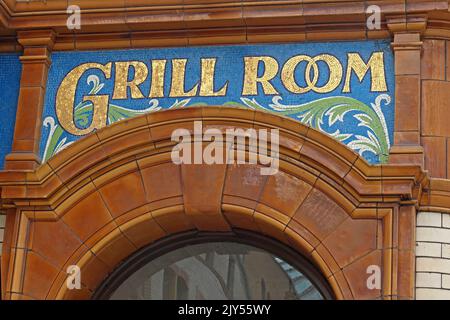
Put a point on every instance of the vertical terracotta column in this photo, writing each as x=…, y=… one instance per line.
x=406, y=257
x=35, y=60
x=407, y=46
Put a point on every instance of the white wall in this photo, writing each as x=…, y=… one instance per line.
x=433, y=256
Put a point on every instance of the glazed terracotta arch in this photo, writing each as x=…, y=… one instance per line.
x=117, y=190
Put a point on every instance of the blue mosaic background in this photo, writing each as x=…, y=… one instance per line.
x=10, y=71
x=229, y=67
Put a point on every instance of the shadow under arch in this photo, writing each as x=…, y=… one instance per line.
x=117, y=190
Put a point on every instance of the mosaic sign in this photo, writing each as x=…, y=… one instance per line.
x=10, y=71
x=345, y=89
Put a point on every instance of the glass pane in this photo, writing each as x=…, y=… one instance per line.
x=218, y=270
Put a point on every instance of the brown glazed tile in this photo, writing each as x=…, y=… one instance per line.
x=239, y=217
x=244, y=181
x=433, y=62
x=351, y=240
x=228, y=36
x=60, y=281
x=132, y=214
x=173, y=220
x=93, y=272
x=241, y=114
x=220, y=17
x=407, y=97
x=407, y=62
x=88, y=4
x=407, y=137
x=108, y=173
x=447, y=62
x=124, y=194
x=448, y=158
x=39, y=275
x=409, y=159
x=284, y=192
x=16, y=296
x=260, y=35
x=361, y=185
x=274, y=214
x=406, y=228
x=180, y=114
x=80, y=258
x=101, y=234
x=319, y=214
x=29, y=100
x=356, y=275
x=435, y=95
x=156, y=20
x=336, y=193
x=162, y=181
x=435, y=152
x=78, y=294
x=290, y=145
x=239, y=202
x=328, y=258
x=88, y=216
x=76, y=149
x=303, y=232
x=210, y=222
x=38, y=6
x=21, y=145
x=130, y=140
x=164, y=132
x=343, y=285
x=116, y=250
x=54, y=241
x=202, y=192
x=271, y=227
x=406, y=274
x=33, y=75
x=86, y=160
x=166, y=203
x=88, y=42
x=311, y=153
x=265, y=15
x=298, y=242
x=142, y=230
x=158, y=39
x=45, y=189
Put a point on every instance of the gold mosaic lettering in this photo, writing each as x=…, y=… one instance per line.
x=376, y=66
x=288, y=74
x=178, y=80
x=207, y=80
x=121, y=82
x=251, y=79
x=65, y=99
x=158, y=76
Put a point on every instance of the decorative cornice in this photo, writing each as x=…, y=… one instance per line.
x=124, y=24
x=408, y=23
x=436, y=196
x=336, y=165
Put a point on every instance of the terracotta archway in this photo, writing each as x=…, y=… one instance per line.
x=117, y=190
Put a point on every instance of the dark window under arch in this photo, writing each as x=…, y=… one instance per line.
x=242, y=266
